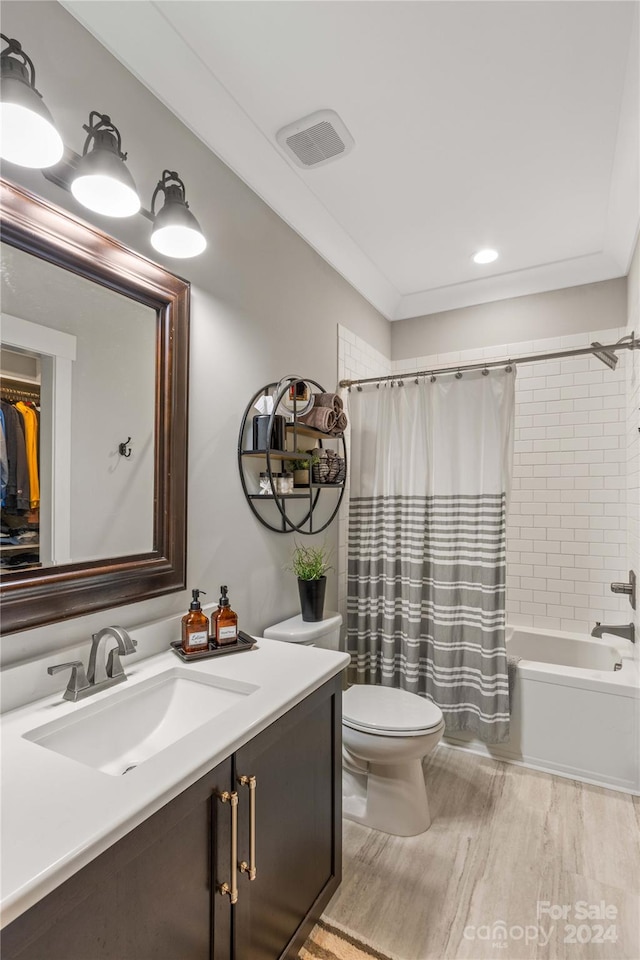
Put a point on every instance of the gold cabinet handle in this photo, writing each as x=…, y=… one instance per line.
x=232, y=889
x=250, y=868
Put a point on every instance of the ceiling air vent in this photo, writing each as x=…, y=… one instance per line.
x=315, y=140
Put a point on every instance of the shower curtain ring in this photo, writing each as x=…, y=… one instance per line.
x=458, y=375
x=359, y=388
x=433, y=378
x=508, y=368
x=485, y=372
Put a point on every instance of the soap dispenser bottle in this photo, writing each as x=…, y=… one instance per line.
x=226, y=621
x=195, y=626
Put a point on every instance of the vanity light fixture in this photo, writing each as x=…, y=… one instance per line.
x=102, y=181
x=29, y=136
x=485, y=256
x=176, y=232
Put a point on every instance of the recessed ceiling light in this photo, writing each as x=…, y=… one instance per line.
x=485, y=256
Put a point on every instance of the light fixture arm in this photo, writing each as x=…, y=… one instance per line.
x=104, y=125
x=169, y=183
x=14, y=47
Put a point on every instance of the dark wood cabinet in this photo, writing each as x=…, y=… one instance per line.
x=155, y=894
x=297, y=766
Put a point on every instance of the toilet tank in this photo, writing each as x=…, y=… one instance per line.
x=318, y=633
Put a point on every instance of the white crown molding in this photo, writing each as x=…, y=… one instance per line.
x=519, y=283
x=204, y=105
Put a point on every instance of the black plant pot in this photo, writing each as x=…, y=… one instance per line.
x=312, y=598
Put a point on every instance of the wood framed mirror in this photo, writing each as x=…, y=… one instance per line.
x=79, y=580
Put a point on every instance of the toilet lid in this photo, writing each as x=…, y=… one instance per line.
x=387, y=710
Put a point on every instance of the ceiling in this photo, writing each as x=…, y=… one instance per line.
x=476, y=124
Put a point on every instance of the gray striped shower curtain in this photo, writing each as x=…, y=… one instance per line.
x=430, y=472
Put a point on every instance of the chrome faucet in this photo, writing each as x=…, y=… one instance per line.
x=103, y=671
x=626, y=630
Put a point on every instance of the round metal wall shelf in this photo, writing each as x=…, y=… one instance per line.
x=287, y=512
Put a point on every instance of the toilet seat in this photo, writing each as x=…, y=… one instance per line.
x=388, y=711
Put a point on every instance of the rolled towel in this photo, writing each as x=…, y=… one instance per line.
x=331, y=400
x=320, y=418
x=341, y=423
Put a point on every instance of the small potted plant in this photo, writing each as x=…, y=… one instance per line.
x=301, y=467
x=310, y=565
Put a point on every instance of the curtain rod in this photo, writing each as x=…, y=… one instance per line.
x=626, y=343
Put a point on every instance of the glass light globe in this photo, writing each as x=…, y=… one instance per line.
x=106, y=195
x=178, y=241
x=28, y=136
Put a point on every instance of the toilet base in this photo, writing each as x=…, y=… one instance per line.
x=390, y=797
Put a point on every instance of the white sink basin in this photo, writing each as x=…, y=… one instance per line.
x=136, y=722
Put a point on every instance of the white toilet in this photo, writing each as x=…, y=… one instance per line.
x=386, y=735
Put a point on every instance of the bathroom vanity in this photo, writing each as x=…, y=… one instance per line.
x=158, y=862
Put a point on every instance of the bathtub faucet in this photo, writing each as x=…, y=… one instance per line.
x=626, y=630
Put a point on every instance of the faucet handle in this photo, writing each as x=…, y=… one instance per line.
x=114, y=664
x=77, y=681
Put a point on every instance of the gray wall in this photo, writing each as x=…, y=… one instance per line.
x=593, y=306
x=264, y=304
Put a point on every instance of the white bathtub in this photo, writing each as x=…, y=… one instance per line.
x=575, y=709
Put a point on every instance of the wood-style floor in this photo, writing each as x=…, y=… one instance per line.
x=503, y=839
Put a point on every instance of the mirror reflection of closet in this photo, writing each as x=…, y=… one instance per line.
x=95, y=353
x=20, y=491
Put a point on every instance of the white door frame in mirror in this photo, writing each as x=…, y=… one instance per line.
x=58, y=352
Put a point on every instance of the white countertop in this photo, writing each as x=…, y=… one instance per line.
x=58, y=814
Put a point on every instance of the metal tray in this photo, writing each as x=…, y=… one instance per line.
x=245, y=642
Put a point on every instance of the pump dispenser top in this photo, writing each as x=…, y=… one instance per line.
x=195, y=602
x=224, y=599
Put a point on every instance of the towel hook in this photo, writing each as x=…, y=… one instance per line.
x=124, y=449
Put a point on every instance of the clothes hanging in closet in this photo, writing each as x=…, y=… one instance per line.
x=17, y=493
x=4, y=461
x=31, y=450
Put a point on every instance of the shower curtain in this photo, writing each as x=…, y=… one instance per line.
x=430, y=472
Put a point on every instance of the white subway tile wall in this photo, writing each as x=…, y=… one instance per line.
x=574, y=517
